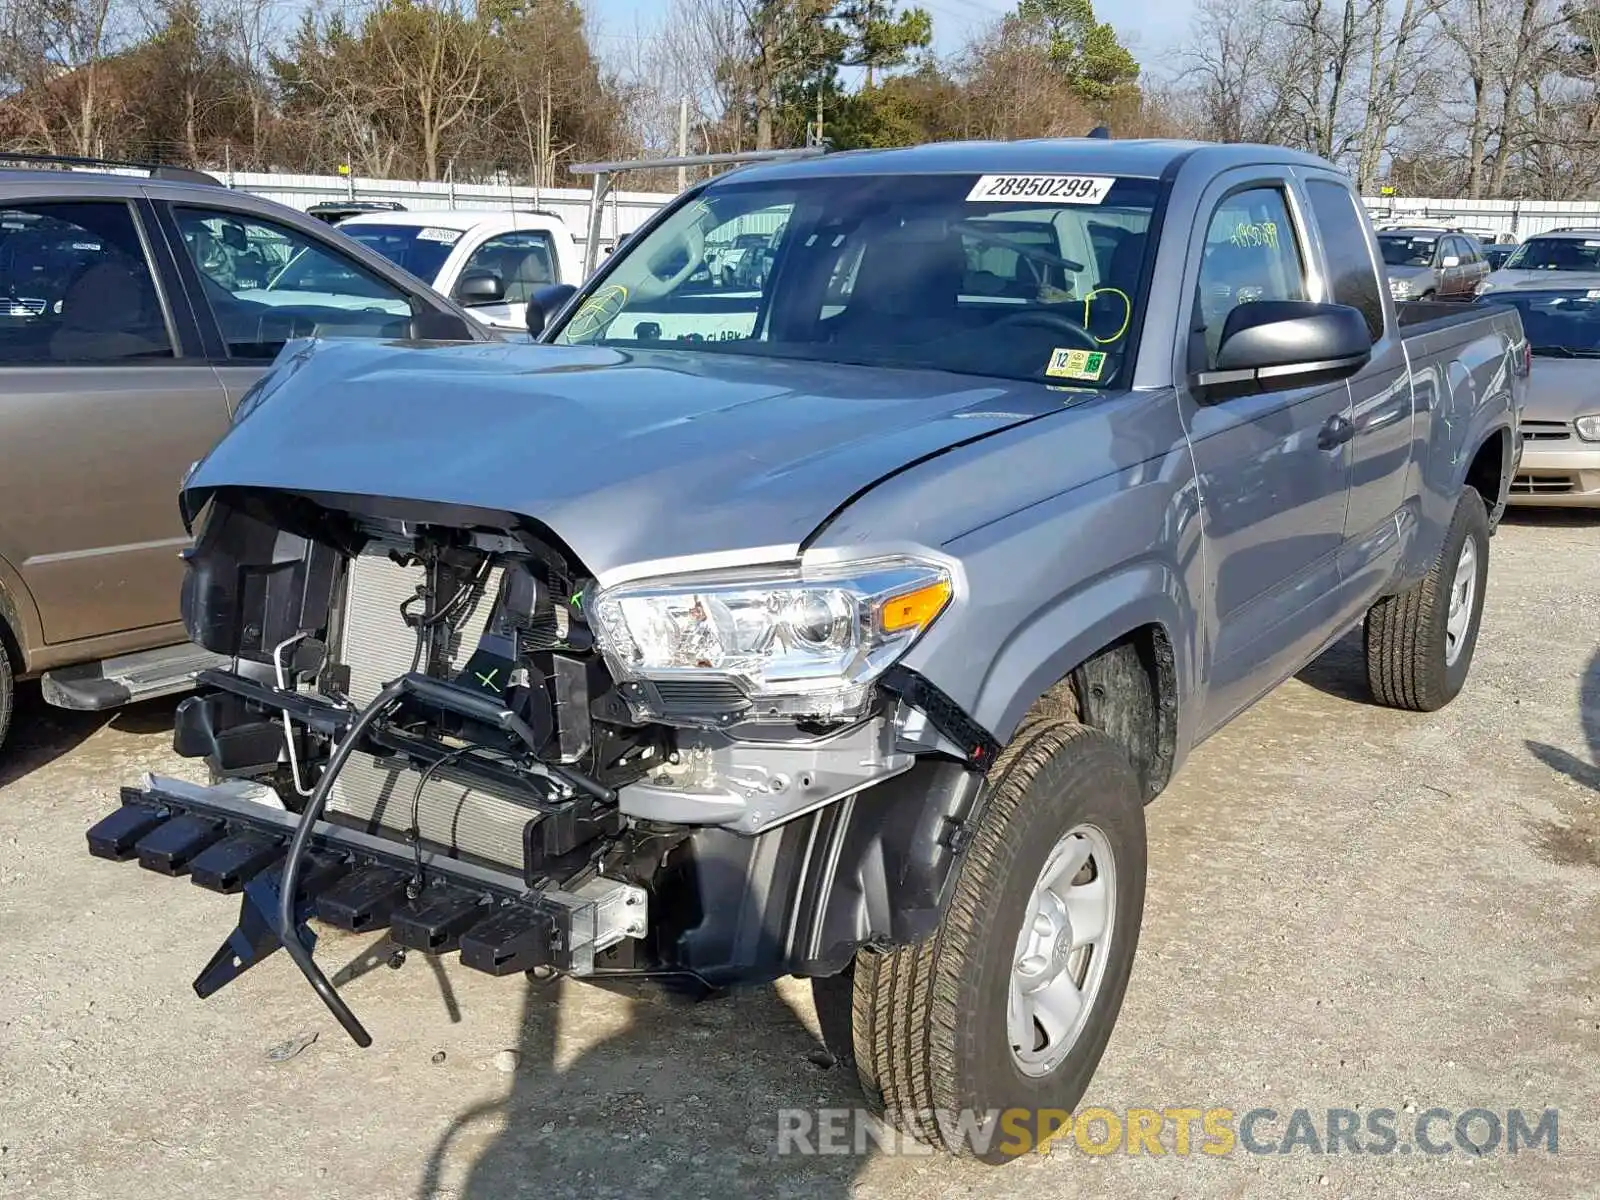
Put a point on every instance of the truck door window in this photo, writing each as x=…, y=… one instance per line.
x=76, y=287
x=267, y=283
x=1352, y=276
x=523, y=261
x=1250, y=254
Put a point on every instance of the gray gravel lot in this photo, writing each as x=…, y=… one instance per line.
x=1348, y=908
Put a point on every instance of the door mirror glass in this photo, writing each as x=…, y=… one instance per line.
x=1275, y=344
x=1450, y=260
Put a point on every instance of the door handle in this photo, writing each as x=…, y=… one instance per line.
x=1336, y=431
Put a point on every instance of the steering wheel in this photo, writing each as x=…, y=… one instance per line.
x=653, y=285
x=1078, y=337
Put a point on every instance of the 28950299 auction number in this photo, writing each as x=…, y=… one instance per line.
x=1052, y=189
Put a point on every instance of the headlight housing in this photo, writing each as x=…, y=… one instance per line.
x=794, y=645
x=1588, y=427
x=1400, y=289
x=1484, y=288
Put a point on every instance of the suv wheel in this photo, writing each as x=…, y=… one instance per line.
x=8, y=692
x=1008, y=1006
x=1419, y=644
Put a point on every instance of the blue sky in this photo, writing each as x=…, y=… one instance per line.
x=1149, y=27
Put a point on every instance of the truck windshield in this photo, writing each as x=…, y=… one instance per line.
x=1406, y=250
x=1558, y=324
x=1035, y=277
x=418, y=248
x=1557, y=254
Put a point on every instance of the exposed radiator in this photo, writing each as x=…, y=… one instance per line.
x=377, y=646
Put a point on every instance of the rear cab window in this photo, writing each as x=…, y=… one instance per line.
x=1352, y=275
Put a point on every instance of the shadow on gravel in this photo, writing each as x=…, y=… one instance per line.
x=670, y=1105
x=42, y=733
x=1341, y=670
x=1571, y=765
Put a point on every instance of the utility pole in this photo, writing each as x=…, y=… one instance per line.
x=683, y=140
x=819, y=112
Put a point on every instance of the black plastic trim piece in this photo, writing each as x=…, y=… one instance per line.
x=979, y=747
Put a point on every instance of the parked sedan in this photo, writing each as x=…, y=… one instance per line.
x=1563, y=258
x=1561, y=423
x=1431, y=264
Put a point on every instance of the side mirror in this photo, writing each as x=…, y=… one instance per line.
x=545, y=302
x=480, y=287
x=434, y=325
x=1273, y=344
x=1450, y=260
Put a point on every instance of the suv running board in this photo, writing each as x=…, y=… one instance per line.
x=113, y=682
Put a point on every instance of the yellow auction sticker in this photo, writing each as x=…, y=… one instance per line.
x=1076, y=364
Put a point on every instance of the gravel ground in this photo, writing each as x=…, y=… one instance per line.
x=1349, y=908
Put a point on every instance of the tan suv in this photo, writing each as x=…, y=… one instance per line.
x=134, y=314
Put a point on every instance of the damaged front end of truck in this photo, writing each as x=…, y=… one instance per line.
x=439, y=722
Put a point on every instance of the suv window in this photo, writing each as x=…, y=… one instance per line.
x=75, y=286
x=1353, y=280
x=1250, y=254
x=267, y=283
x=523, y=260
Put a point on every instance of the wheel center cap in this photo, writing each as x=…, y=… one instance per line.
x=1062, y=950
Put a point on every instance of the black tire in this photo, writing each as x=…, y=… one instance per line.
x=8, y=692
x=1407, y=637
x=930, y=1019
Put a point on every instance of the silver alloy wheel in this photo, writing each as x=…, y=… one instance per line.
x=1062, y=950
x=1463, y=591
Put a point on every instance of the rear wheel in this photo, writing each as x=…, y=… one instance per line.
x=1419, y=644
x=1009, y=1005
x=8, y=692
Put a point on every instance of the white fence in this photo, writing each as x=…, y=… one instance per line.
x=626, y=211
x=1520, y=219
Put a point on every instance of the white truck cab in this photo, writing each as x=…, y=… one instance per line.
x=488, y=261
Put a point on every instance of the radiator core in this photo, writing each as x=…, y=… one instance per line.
x=377, y=646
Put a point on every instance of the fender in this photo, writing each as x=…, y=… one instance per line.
x=1071, y=629
x=19, y=614
x=1475, y=396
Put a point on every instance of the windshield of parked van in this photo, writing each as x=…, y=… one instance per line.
x=1557, y=254
x=1557, y=324
x=1035, y=277
x=1406, y=250
x=417, y=248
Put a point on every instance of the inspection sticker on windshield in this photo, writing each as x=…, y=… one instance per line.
x=431, y=234
x=1053, y=189
x=1076, y=364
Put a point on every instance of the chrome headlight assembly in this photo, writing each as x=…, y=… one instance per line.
x=1588, y=428
x=784, y=645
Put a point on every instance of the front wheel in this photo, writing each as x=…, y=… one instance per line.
x=1419, y=644
x=974, y=1037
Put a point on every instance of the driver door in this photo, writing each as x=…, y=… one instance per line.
x=1273, y=476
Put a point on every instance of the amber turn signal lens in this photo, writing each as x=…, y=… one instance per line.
x=914, y=610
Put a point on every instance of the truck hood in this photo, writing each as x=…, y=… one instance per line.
x=1560, y=389
x=634, y=459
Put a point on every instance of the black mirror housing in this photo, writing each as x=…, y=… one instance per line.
x=545, y=302
x=1272, y=344
x=480, y=287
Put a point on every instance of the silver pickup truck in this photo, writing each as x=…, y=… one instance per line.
x=842, y=626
